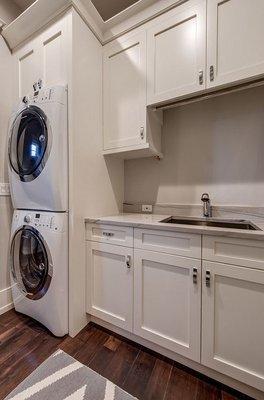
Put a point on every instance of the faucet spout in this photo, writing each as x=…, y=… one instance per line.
x=207, y=208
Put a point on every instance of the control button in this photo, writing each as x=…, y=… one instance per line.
x=27, y=218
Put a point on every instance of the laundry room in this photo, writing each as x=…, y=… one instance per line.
x=131, y=199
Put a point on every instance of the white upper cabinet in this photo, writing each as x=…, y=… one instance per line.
x=167, y=301
x=45, y=58
x=233, y=322
x=125, y=92
x=176, y=53
x=235, y=40
x=29, y=67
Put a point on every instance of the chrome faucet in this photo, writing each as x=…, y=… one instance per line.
x=207, y=208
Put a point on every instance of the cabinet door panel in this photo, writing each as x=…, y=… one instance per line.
x=29, y=68
x=233, y=322
x=53, y=44
x=176, y=54
x=167, y=302
x=125, y=92
x=235, y=45
x=110, y=284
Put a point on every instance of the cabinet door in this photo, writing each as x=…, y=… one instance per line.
x=29, y=62
x=110, y=283
x=54, y=44
x=125, y=92
x=176, y=49
x=235, y=40
x=167, y=301
x=233, y=322
x=46, y=57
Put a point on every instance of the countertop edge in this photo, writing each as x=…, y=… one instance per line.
x=115, y=220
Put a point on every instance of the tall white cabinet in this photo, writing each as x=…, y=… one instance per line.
x=66, y=52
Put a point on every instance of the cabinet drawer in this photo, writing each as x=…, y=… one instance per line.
x=182, y=244
x=245, y=252
x=114, y=234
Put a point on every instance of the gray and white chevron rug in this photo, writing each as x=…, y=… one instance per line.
x=61, y=377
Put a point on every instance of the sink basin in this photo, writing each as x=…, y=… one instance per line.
x=219, y=223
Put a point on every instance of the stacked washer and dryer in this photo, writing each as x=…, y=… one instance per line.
x=38, y=175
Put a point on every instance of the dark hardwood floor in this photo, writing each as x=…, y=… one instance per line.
x=25, y=344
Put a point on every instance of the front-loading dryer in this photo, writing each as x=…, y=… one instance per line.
x=39, y=267
x=38, y=151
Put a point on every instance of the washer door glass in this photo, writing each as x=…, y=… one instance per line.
x=30, y=263
x=28, y=143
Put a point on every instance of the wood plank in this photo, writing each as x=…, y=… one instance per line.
x=115, y=365
x=86, y=353
x=112, y=343
x=139, y=375
x=159, y=380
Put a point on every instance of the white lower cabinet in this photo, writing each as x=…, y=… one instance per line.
x=110, y=279
x=167, y=301
x=233, y=322
x=207, y=311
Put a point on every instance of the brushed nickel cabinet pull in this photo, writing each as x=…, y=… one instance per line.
x=195, y=275
x=208, y=278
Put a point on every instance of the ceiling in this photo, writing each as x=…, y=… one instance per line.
x=106, y=8
x=23, y=4
x=109, y=8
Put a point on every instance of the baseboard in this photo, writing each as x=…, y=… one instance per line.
x=6, y=301
x=224, y=379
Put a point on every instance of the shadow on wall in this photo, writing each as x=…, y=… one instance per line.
x=214, y=145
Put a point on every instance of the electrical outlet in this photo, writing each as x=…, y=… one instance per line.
x=147, y=208
x=4, y=189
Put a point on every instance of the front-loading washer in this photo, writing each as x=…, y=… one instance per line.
x=38, y=151
x=39, y=267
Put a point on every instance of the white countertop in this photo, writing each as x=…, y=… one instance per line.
x=152, y=221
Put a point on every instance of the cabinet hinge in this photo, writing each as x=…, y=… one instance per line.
x=142, y=132
x=201, y=77
x=211, y=73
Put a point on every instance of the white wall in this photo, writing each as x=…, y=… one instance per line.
x=6, y=101
x=215, y=145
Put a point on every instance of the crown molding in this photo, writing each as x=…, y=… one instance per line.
x=43, y=12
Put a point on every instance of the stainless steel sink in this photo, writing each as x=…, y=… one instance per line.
x=219, y=223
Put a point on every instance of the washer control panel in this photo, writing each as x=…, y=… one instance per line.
x=41, y=220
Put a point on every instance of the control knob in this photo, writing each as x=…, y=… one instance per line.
x=27, y=218
x=25, y=99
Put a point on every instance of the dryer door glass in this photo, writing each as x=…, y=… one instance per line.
x=30, y=263
x=28, y=143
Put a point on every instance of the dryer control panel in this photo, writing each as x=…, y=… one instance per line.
x=56, y=94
